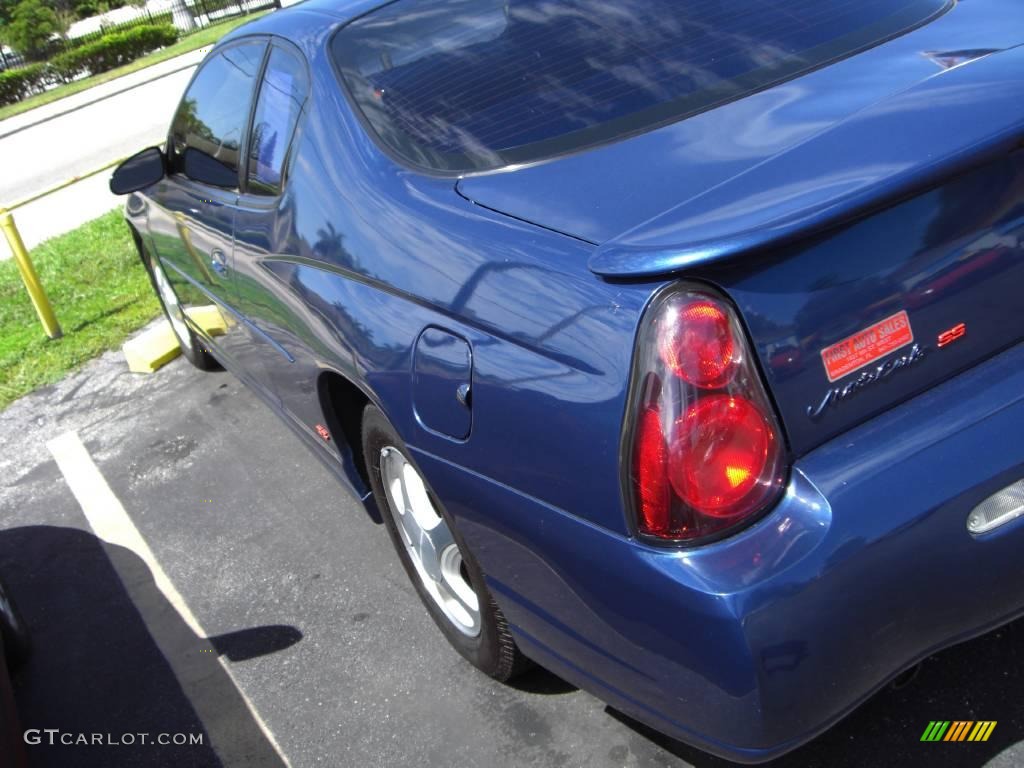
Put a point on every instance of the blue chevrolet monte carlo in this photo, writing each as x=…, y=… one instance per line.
x=676, y=344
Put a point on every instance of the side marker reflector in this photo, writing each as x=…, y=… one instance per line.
x=998, y=509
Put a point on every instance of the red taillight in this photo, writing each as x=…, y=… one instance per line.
x=719, y=452
x=652, y=483
x=706, y=445
x=697, y=344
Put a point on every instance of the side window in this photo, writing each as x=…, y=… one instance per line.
x=277, y=110
x=211, y=117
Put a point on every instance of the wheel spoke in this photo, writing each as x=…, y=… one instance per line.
x=417, y=537
x=419, y=502
x=460, y=589
x=440, y=539
x=394, y=486
x=415, y=534
x=470, y=607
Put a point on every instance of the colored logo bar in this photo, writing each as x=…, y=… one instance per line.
x=958, y=730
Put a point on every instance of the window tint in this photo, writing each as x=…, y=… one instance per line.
x=277, y=110
x=211, y=117
x=475, y=84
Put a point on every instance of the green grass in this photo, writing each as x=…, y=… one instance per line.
x=201, y=39
x=99, y=291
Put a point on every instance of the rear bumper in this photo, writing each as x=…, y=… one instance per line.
x=751, y=646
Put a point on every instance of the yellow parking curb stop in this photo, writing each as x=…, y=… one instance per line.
x=158, y=346
x=209, y=318
x=151, y=349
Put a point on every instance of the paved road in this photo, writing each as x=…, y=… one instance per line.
x=25, y=120
x=81, y=141
x=322, y=637
x=44, y=147
x=79, y=134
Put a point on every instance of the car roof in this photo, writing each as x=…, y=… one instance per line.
x=304, y=19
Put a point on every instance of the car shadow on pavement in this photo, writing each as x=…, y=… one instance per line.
x=540, y=681
x=977, y=680
x=113, y=659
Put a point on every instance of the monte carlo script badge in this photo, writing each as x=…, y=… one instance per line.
x=863, y=349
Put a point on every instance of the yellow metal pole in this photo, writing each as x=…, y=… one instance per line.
x=29, y=276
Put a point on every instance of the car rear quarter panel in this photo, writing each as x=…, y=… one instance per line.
x=751, y=645
x=365, y=255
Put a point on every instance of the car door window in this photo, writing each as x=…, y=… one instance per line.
x=211, y=117
x=280, y=100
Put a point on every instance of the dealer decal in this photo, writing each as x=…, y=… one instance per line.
x=866, y=346
x=862, y=354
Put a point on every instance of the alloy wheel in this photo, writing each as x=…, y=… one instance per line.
x=429, y=542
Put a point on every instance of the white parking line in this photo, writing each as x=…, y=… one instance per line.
x=110, y=522
x=107, y=517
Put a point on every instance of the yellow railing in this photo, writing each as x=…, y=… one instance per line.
x=29, y=277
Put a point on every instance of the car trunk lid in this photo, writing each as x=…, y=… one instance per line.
x=859, y=318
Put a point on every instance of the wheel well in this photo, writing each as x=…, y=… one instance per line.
x=342, y=404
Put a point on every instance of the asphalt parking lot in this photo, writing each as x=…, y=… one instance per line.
x=286, y=632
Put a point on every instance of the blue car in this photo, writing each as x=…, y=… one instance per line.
x=677, y=345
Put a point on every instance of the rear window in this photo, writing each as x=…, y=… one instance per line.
x=468, y=85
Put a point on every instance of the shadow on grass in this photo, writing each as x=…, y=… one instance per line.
x=110, y=312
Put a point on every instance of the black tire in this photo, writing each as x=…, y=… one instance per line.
x=194, y=350
x=492, y=651
x=13, y=632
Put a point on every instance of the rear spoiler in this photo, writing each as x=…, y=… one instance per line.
x=905, y=144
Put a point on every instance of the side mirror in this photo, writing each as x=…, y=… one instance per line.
x=205, y=169
x=138, y=171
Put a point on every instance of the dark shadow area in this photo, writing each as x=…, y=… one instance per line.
x=12, y=748
x=540, y=680
x=245, y=644
x=109, y=312
x=977, y=680
x=111, y=656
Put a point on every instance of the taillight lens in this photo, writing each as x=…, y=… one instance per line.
x=707, y=451
x=652, y=483
x=698, y=345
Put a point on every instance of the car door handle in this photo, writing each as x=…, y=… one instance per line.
x=219, y=261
